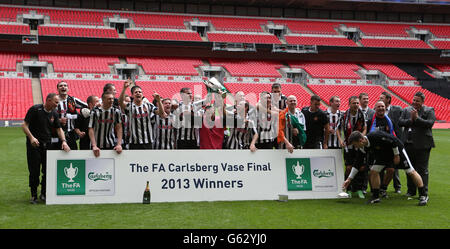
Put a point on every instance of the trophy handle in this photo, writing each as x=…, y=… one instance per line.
x=76, y=172
x=65, y=171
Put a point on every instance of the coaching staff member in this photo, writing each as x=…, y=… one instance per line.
x=418, y=121
x=37, y=126
x=317, y=125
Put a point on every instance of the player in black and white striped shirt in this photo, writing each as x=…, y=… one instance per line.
x=104, y=124
x=67, y=113
x=267, y=122
x=334, y=116
x=187, y=121
x=140, y=115
x=242, y=130
x=163, y=129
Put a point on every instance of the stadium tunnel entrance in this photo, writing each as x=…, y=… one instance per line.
x=35, y=68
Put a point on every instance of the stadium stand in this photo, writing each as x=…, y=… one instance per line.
x=440, y=31
x=235, y=24
x=79, y=63
x=328, y=70
x=319, y=40
x=77, y=32
x=249, y=68
x=167, y=66
x=14, y=106
x=381, y=29
x=157, y=20
x=442, y=67
x=84, y=88
x=251, y=90
x=440, y=44
x=8, y=61
x=391, y=71
x=243, y=38
x=15, y=29
x=393, y=43
x=178, y=71
x=69, y=16
x=309, y=27
x=163, y=35
x=441, y=105
x=346, y=91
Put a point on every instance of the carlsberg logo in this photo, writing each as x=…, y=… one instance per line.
x=99, y=176
x=323, y=173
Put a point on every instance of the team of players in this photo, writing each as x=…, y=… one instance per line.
x=133, y=122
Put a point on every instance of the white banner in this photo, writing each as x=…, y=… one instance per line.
x=78, y=177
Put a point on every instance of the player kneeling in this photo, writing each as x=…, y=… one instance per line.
x=387, y=151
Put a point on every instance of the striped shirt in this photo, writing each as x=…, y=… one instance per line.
x=164, y=132
x=241, y=134
x=187, y=121
x=334, y=119
x=139, y=121
x=67, y=109
x=267, y=127
x=288, y=128
x=103, y=122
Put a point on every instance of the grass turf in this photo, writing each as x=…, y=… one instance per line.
x=395, y=212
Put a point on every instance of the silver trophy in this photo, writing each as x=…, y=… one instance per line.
x=298, y=170
x=71, y=172
x=214, y=85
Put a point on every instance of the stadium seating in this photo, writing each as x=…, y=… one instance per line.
x=249, y=68
x=323, y=41
x=10, y=13
x=8, y=61
x=235, y=24
x=328, y=70
x=442, y=67
x=84, y=88
x=79, y=63
x=391, y=71
x=252, y=91
x=441, y=31
x=14, y=106
x=157, y=21
x=78, y=32
x=244, y=38
x=393, y=43
x=15, y=29
x=440, y=44
x=162, y=35
x=441, y=105
x=309, y=27
x=381, y=29
x=346, y=91
x=69, y=16
x=167, y=66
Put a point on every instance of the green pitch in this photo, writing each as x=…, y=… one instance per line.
x=395, y=212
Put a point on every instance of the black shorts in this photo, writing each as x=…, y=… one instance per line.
x=355, y=157
x=405, y=163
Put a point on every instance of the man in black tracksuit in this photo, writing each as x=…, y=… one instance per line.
x=39, y=122
x=386, y=150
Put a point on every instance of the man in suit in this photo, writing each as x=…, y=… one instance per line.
x=394, y=112
x=365, y=109
x=418, y=121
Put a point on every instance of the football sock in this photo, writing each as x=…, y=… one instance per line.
x=375, y=193
x=422, y=191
